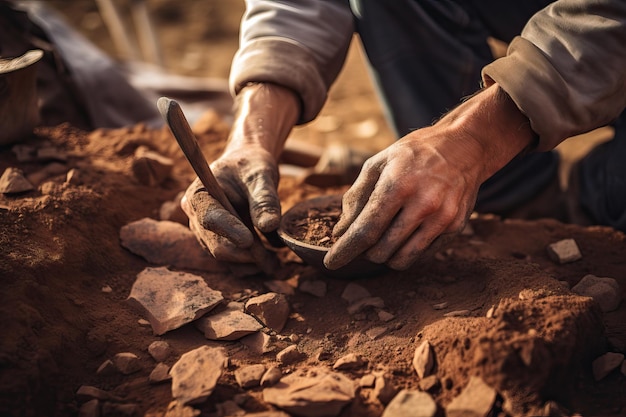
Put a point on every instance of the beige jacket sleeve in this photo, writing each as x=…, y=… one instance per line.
x=300, y=44
x=567, y=70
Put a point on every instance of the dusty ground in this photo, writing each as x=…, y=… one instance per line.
x=59, y=246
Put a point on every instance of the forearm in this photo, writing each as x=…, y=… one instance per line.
x=265, y=115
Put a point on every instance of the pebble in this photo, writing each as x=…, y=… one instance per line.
x=564, y=251
x=605, y=364
x=429, y=383
x=250, y=376
x=90, y=409
x=423, y=360
x=177, y=409
x=476, y=400
x=458, y=313
x=143, y=322
x=289, y=355
x=316, y=393
x=384, y=389
x=367, y=381
x=354, y=292
x=313, y=287
x=195, y=374
x=107, y=289
x=229, y=324
x=363, y=303
x=376, y=332
x=107, y=368
x=171, y=299
x=271, y=377
x=126, y=362
x=151, y=168
x=604, y=291
x=74, y=177
x=349, y=361
x=160, y=373
x=441, y=306
x=13, y=181
x=411, y=403
x=160, y=350
x=385, y=316
x=167, y=243
x=258, y=343
x=271, y=309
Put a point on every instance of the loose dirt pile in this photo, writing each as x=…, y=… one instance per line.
x=492, y=305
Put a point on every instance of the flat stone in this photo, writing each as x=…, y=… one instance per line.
x=271, y=377
x=429, y=383
x=107, y=368
x=411, y=403
x=289, y=355
x=349, y=361
x=423, y=360
x=271, y=309
x=159, y=350
x=160, y=373
x=605, y=364
x=195, y=374
x=367, y=381
x=258, y=343
x=441, y=306
x=177, y=409
x=316, y=393
x=564, y=251
x=171, y=299
x=476, y=400
x=126, y=362
x=229, y=408
x=314, y=287
x=151, y=168
x=74, y=177
x=385, y=316
x=229, y=324
x=90, y=409
x=13, y=181
x=376, y=332
x=458, y=313
x=604, y=291
x=167, y=243
x=363, y=303
x=250, y=376
x=354, y=292
x=384, y=389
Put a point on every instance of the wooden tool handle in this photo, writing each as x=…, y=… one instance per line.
x=176, y=120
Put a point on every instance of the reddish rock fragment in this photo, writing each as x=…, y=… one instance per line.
x=195, y=374
x=271, y=309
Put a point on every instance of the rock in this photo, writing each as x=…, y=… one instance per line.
x=384, y=389
x=107, y=368
x=90, y=409
x=258, y=343
x=271, y=377
x=349, y=361
x=423, y=360
x=195, y=374
x=313, y=287
x=13, y=181
x=87, y=392
x=159, y=350
x=429, y=383
x=364, y=303
x=250, y=376
x=476, y=400
x=119, y=410
x=167, y=243
x=367, y=381
x=160, y=373
x=564, y=251
x=385, y=316
x=314, y=394
x=411, y=403
x=604, y=291
x=441, y=306
x=281, y=287
x=289, y=355
x=177, y=409
x=151, y=168
x=106, y=289
x=271, y=309
x=458, y=313
x=127, y=363
x=74, y=177
x=229, y=408
x=229, y=324
x=171, y=299
x=376, y=332
x=354, y=292
x=605, y=364
x=143, y=322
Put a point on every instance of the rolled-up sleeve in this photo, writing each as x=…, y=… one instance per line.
x=567, y=70
x=299, y=44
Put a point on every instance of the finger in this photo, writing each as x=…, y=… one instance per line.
x=355, y=199
x=221, y=248
x=212, y=216
x=400, y=230
x=263, y=199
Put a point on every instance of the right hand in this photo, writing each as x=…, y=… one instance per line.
x=247, y=171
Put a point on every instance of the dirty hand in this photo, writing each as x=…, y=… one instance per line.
x=422, y=188
x=247, y=172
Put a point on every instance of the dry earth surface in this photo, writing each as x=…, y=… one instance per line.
x=494, y=306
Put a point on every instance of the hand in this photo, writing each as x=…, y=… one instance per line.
x=422, y=188
x=248, y=174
